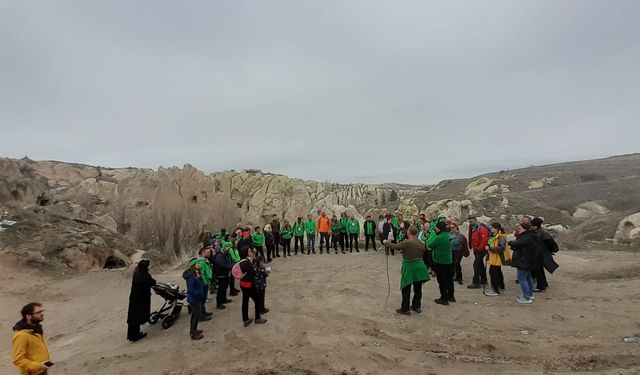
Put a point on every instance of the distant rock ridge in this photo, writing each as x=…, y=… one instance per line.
x=164, y=212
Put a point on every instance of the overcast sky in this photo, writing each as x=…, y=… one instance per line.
x=350, y=91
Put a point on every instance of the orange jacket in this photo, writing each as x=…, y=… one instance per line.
x=324, y=225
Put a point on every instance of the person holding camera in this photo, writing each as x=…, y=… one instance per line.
x=30, y=353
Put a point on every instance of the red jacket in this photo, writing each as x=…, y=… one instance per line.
x=479, y=238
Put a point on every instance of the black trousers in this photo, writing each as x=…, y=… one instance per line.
x=335, y=239
x=221, y=295
x=539, y=275
x=295, y=247
x=324, y=238
x=497, y=279
x=276, y=242
x=344, y=239
x=206, y=293
x=353, y=237
x=232, y=285
x=271, y=253
x=133, y=332
x=479, y=270
x=367, y=238
x=196, y=316
x=444, y=274
x=286, y=247
x=249, y=293
x=457, y=265
x=261, y=295
x=416, y=303
x=260, y=250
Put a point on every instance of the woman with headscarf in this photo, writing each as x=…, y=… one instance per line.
x=139, y=300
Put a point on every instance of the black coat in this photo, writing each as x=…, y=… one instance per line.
x=221, y=264
x=525, y=250
x=548, y=247
x=140, y=297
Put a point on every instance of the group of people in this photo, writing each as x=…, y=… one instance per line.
x=438, y=247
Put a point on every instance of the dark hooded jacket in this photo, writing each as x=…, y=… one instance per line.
x=140, y=296
x=525, y=250
x=548, y=247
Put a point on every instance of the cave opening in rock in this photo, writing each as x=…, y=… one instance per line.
x=113, y=263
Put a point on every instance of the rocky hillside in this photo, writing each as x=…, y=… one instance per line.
x=85, y=217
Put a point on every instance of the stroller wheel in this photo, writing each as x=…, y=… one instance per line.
x=167, y=322
x=154, y=317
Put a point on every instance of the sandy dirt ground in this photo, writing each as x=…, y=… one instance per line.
x=328, y=316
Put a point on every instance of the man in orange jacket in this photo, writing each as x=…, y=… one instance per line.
x=324, y=229
x=30, y=353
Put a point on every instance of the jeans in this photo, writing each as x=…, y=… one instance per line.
x=457, y=265
x=479, y=270
x=444, y=274
x=417, y=296
x=298, y=239
x=246, y=294
x=311, y=242
x=526, y=282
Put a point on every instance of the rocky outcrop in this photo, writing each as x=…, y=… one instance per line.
x=589, y=210
x=628, y=229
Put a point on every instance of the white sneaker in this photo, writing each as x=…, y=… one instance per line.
x=491, y=293
x=523, y=300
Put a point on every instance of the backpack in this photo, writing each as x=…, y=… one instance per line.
x=236, y=271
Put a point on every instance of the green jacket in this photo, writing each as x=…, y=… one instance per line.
x=395, y=222
x=286, y=233
x=336, y=228
x=370, y=227
x=310, y=227
x=234, y=255
x=440, y=244
x=205, y=270
x=353, y=226
x=257, y=238
x=343, y=222
x=298, y=229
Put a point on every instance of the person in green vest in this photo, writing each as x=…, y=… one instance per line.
x=413, y=273
x=298, y=234
x=310, y=230
x=353, y=229
x=370, y=228
x=344, y=237
x=286, y=232
x=336, y=227
x=257, y=239
x=440, y=245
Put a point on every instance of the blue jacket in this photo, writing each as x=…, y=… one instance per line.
x=195, y=288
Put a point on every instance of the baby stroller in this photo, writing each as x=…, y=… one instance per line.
x=173, y=303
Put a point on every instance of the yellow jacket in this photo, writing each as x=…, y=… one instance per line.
x=499, y=253
x=29, y=350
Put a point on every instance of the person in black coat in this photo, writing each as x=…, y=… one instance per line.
x=139, y=300
x=548, y=247
x=388, y=234
x=221, y=268
x=524, y=258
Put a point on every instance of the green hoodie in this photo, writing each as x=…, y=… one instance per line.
x=353, y=226
x=286, y=232
x=233, y=252
x=370, y=227
x=205, y=270
x=343, y=222
x=395, y=222
x=257, y=238
x=440, y=244
x=298, y=229
x=310, y=227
